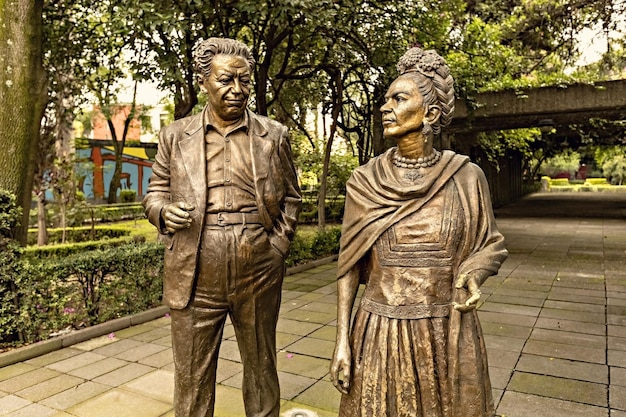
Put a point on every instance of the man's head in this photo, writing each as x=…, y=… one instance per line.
x=224, y=67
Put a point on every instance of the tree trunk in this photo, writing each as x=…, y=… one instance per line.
x=42, y=227
x=22, y=98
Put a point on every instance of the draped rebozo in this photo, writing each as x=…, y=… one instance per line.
x=450, y=377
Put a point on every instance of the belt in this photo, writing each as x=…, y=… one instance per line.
x=416, y=311
x=225, y=219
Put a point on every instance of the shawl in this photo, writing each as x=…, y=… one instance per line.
x=376, y=199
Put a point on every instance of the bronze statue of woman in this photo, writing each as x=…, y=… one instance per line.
x=419, y=231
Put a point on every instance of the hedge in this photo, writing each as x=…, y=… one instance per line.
x=56, y=294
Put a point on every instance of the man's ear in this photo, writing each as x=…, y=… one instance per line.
x=432, y=114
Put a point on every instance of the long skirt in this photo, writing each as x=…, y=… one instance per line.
x=432, y=367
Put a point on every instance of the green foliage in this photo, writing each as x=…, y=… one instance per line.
x=615, y=168
x=10, y=215
x=128, y=196
x=79, y=234
x=64, y=293
x=310, y=245
x=565, y=162
x=93, y=213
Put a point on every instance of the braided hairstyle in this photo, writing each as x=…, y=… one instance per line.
x=432, y=76
x=204, y=51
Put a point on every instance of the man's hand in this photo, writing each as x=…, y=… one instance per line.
x=341, y=363
x=471, y=283
x=176, y=216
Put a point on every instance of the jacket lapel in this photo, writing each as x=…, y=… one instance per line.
x=261, y=147
x=192, y=152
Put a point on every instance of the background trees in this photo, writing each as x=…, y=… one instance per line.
x=324, y=60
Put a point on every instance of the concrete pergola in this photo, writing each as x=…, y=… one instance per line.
x=565, y=111
x=556, y=107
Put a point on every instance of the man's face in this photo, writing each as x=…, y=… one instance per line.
x=228, y=86
x=403, y=111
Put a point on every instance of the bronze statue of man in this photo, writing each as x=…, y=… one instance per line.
x=225, y=199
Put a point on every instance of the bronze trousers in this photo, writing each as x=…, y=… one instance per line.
x=239, y=275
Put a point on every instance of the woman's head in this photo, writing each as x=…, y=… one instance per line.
x=431, y=75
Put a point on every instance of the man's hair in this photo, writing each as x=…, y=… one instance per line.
x=205, y=50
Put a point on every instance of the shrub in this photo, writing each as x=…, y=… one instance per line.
x=82, y=289
x=310, y=246
x=79, y=234
x=128, y=196
x=10, y=215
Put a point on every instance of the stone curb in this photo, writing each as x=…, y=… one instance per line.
x=41, y=348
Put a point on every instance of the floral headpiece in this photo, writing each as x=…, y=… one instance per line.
x=426, y=62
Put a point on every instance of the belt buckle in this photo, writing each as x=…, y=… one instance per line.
x=220, y=219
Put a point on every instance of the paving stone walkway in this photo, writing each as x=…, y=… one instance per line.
x=554, y=320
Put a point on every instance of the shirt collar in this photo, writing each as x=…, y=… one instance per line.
x=208, y=121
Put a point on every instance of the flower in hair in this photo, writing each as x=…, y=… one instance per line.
x=426, y=62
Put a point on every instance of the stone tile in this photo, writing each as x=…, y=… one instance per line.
x=615, y=358
x=12, y=403
x=124, y=374
x=50, y=387
x=617, y=343
x=159, y=360
x=120, y=403
x=33, y=410
x=515, y=300
x=158, y=385
x=618, y=310
x=583, y=316
x=618, y=376
x=164, y=341
x=283, y=340
x=511, y=309
x=321, y=395
x=509, y=344
x=325, y=333
x=98, y=368
x=618, y=331
x=228, y=402
x=132, y=331
x=506, y=330
x=15, y=370
x=74, y=395
x=617, y=397
x=517, y=404
x=119, y=347
x=312, y=316
x=230, y=350
x=75, y=362
x=294, y=409
x=302, y=365
x=564, y=351
x=616, y=320
x=571, y=326
x=152, y=334
x=140, y=352
x=575, y=306
x=27, y=379
x=515, y=319
x=564, y=368
x=499, y=377
x=313, y=347
x=560, y=388
x=576, y=339
x=320, y=308
x=292, y=385
x=227, y=369
x=287, y=325
x=502, y=359
x=91, y=344
x=56, y=356
x=618, y=413
x=576, y=298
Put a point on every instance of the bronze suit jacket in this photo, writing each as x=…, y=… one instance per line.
x=179, y=174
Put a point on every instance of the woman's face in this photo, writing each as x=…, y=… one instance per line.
x=404, y=110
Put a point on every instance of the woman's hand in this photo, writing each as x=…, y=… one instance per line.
x=341, y=363
x=471, y=282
